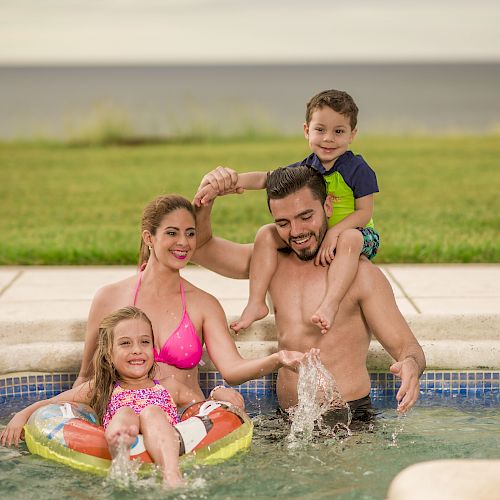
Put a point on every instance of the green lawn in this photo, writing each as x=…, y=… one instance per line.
x=63, y=204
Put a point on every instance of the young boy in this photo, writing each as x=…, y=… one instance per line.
x=330, y=127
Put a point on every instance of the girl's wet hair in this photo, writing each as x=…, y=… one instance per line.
x=104, y=375
x=153, y=214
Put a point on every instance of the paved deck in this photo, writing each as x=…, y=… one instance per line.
x=443, y=303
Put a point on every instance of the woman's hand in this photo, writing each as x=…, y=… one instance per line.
x=230, y=395
x=293, y=359
x=13, y=432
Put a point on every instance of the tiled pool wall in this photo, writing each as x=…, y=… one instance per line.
x=383, y=384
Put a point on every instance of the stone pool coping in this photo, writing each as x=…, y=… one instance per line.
x=453, y=309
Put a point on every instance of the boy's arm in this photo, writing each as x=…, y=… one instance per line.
x=359, y=218
x=14, y=429
x=223, y=181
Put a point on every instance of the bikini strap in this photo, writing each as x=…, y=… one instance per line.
x=138, y=286
x=182, y=298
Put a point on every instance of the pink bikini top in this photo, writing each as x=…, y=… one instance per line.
x=183, y=348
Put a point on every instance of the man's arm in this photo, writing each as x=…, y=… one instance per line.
x=221, y=256
x=391, y=329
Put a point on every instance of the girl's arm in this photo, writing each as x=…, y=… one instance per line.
x=225, y=356
x=14, y=429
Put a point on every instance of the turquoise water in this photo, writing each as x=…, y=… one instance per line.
x=358, y=467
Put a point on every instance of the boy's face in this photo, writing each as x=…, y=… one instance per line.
x=329, y=134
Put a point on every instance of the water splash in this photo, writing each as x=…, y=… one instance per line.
x=123, y=471
x=400, y=425
x=317, y=393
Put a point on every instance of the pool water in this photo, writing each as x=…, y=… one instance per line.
x=357, y=467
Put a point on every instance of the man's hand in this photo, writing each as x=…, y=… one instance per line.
x=408, y=371
x=218, y=182
x=13, y=432
x=326, y=251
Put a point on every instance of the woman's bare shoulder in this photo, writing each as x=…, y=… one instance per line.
x=198, y=296
x=115, y=295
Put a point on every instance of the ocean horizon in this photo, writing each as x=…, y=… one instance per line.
x=171, y=100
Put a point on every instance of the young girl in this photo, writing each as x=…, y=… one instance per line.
x=124, y=394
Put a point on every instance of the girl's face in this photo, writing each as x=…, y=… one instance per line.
x=175, y=239
x=133, y=349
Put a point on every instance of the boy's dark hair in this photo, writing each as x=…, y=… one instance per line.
x=287, y=180
x=339, y=101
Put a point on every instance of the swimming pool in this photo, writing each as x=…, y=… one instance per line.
x=458, y=416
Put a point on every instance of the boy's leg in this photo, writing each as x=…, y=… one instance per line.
x=122, y=430
x=341, y=274
x=262, y=267
x=162, y=442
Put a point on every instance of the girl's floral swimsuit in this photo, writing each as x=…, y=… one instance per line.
x=138, y=399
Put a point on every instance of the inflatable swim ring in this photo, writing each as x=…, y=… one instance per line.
x=68, y=433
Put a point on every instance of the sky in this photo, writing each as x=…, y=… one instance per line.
x=250, y=31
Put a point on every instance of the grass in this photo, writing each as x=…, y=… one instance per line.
x=69, y=204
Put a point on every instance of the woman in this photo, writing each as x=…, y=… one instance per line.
x=183, y=316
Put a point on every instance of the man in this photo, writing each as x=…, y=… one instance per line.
x=300, y=207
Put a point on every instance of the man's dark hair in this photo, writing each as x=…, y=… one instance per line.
x=287, y=180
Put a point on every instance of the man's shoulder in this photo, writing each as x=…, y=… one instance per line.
x=368, y=278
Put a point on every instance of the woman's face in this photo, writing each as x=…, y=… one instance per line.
x=175, y=240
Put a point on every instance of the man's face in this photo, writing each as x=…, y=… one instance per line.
x=301, y=221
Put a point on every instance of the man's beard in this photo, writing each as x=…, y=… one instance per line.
x=310, y=253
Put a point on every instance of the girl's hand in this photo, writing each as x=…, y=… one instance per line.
x=13, y=432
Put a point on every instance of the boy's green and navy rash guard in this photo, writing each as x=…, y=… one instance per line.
x=348, y=179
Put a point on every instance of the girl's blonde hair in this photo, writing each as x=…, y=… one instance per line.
x=104, y=375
